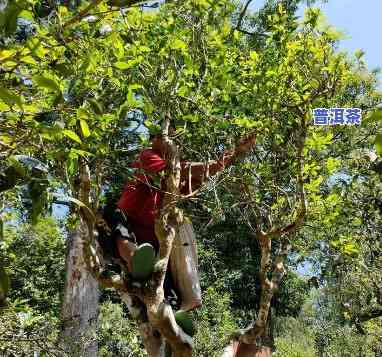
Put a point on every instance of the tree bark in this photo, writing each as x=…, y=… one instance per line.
x=80, y=304
x=264, y=347
x=152, y=339
x=245, y=350
x=240, y=349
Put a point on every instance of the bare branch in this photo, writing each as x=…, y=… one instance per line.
x=371, y=313
x=81, y=14
x=291, y=228
x=87, y=9
x=242, y=14
x=165, y=322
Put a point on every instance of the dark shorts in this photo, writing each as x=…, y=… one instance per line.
x=111, y=229
x=122, y=230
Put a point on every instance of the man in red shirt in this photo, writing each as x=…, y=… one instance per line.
x=142, y=198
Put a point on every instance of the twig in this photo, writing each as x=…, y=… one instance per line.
x=242, y=14
x=87, y=9
x=82, y=13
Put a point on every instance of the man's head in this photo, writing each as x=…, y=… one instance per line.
x=157, y=139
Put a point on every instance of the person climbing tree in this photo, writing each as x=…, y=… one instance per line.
x=134, y=233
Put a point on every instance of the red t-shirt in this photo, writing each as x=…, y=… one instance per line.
x=141, y=198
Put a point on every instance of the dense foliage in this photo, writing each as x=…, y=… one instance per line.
x=83, y=82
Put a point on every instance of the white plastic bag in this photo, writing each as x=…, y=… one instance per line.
x=184, y=266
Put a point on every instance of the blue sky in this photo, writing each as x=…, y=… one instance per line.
x=360, y=21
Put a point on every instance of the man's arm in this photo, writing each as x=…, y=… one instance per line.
x=193, y=174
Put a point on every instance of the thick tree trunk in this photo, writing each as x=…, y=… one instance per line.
x=240, y=349
x=1, y=229
x=152, y=340
x=263, y=349
x=80, y=304
x=253, y=351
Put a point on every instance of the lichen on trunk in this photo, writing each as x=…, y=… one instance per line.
x=80, y=304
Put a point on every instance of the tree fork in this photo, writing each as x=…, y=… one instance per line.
x=159, y=313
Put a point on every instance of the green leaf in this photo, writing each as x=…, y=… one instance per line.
x=244, y=122
x=18, y=167
x=332, y=165
x=26, y=15
x=378, y=144
x=126, y=65
x=182, y=91
x=254, y=56
x=9, y=18
x=6, y=139
x=62, y=69
x=72, y=163
x=178, y=44
x=82, y=153
x=72, y=135
x=359, y=53
x=4, y=54
x=131, y=100
x=122, y=65
x=350, y=249
x=82, y=113
x=85, y=64
x=119, y=50
x=76, y=201
x=34, y=44
x=153, y=128
x=373, y=116
x=29, y=60
x=47, y=83
x=38, y=197
x=193, y=118
x=84, y=128
x=10, y=98
x=96, y=106
x=135, y=86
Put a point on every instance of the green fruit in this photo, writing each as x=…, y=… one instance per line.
x=184, y=320
x=143, y=262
